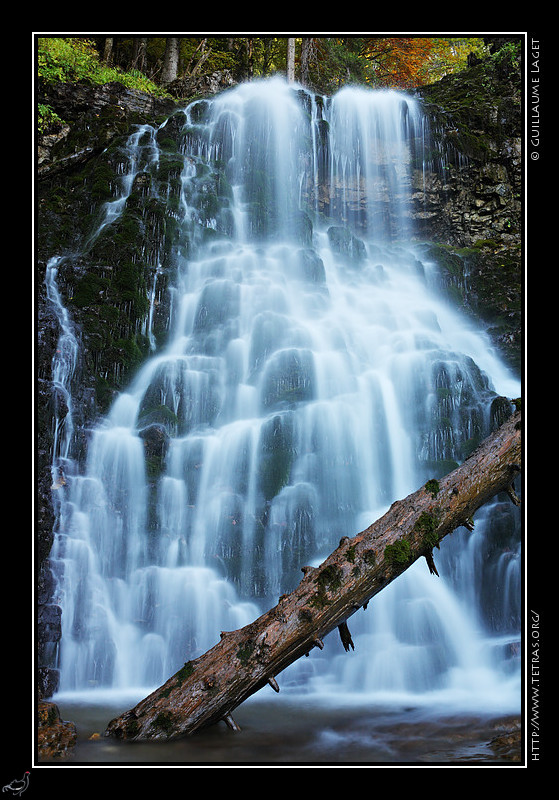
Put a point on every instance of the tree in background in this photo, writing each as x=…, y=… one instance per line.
x=170, y=70
x=399, y=62
x=319, y=63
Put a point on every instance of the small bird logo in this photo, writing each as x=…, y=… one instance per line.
x=17, y=787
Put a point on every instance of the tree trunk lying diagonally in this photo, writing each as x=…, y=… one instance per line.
x=208, y=688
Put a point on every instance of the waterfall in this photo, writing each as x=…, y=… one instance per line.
x=313, y=375
x=63, y=368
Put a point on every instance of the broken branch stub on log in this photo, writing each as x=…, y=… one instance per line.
x=207, y=689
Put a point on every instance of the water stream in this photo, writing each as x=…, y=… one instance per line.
x=314, y=373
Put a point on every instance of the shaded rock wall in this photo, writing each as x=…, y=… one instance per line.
x=470, y=202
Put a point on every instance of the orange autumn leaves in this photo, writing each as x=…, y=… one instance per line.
x=405, y=62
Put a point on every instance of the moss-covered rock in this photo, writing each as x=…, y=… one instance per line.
x=469, y=199
x=277, y=452
x=484, y=280
x=56, y=738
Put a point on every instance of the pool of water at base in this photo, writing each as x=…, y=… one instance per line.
x=299, y=732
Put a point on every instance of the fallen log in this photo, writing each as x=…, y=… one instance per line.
x=207, y=689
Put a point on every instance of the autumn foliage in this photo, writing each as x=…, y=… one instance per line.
x=321, y=63
x=405, y=62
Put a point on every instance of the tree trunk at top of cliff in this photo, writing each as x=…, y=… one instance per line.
x=208, y=688
x=307, y=55
x=290, y=60
x=171, y=59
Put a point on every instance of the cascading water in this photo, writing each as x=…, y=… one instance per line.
x=312, y=376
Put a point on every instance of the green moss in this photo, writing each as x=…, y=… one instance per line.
x=305, y=615
x=398, y=554
x=446, y=257
x=427, y=525
x=245, y=652
x=328, y=579
x=158, y=414
x=168, y=143
x=485, y=280
x=432, y=486
x=154, y=467
x=165, y=722
x=169, y=168
x=131, y=729
x=468, y=447
x=128, y=283
x=184, y=673
x=472, y=145
x=89, y=289
x=101, y=183
x=129, y=353
x=276, y=456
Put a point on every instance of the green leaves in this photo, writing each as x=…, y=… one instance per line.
x=74, y=58
x=46, y=117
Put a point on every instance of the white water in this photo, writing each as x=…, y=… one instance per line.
x=302, y=392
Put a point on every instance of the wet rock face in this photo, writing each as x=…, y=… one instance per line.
x=93, y=116
x=477, y=193
x=73, y=99
x=473, y=203
x=289, y=379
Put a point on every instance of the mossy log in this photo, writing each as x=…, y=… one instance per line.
x=207, y=689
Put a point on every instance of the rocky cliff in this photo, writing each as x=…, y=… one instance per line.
x=471, y=203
